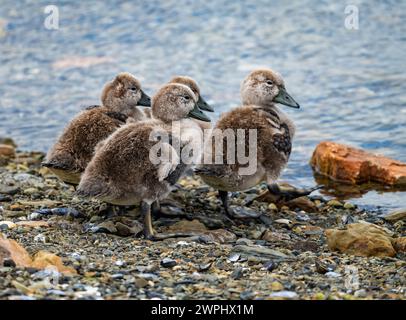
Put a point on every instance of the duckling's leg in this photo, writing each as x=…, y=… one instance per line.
x=149, y=232
x=146, y=213
x=236, y=211
x=223, y=195
x=291, y=193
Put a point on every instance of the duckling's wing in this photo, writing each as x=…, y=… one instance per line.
x=169, y=161
x=280, y=135
x=117, y=116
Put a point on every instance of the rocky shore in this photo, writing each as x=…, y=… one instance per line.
x=310, y=248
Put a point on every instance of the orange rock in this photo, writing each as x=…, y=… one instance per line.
x=361, y=239
x=10, y=249
x=43, y=260
x=346, y=164
x=7, y=151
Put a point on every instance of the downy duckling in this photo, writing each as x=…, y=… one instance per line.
x=122, y=171
x=260, y=91
x=201, y=102
x=74, y=149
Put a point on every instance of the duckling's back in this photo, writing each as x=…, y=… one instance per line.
x=75, y=147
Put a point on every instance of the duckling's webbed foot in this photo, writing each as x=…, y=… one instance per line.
x=236, y=212
x=149, y=232
x=288, y=194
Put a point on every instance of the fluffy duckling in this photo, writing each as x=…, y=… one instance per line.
x=260, y=91
x=122, y=172
x=72, y=152
x=201, y=102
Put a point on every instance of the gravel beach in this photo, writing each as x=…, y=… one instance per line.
x=279, y=253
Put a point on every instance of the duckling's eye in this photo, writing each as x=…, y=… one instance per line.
x=269, y=83
x=134, y=89
x=187, y=98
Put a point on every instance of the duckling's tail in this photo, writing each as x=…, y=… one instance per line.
x=91, y=188
x=55, y=165
x=208, y=171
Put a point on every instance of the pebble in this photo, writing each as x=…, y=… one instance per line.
x=332, y=274
x=168, y=263
x=284, y=294
x=270, y=265
x=237, y=273
x=334, y=203
x=234, y=257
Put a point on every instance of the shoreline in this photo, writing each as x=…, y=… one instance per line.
x=282, y=255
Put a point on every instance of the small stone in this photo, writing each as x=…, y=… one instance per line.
x=270, y=265
x=120, y=263
x=9, y=190
x=334, y=203
x=237, y=273
x=332, y=274
x=362, y=293
x=276, y=286
x=204, y=267
x=168, y=263
x=349, y=206
x=5, y=225
x=284, y=294
x=272, y=207
x=30, y=191
x=286, y=222
x=140, y=282
x=234, y=257
x=319, y=296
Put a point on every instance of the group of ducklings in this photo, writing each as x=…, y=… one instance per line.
x=105, y=150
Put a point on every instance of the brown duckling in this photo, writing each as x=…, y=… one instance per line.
x=74, y=149
x=260, y=92
x=122, y=172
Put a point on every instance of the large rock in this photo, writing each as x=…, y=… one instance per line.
x=346, y=164
x=361, y=239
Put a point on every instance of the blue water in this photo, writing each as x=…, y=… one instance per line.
x=350, y=83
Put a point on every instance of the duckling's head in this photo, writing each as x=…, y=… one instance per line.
x=124, y=93
x=192, y=84
x=264, y=87
x=174, y=102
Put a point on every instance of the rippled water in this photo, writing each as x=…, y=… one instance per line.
x=350, y=83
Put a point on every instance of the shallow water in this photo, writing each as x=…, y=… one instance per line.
x=351, y=84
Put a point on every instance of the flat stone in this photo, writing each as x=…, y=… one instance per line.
x=9, y=190
x=260, y=251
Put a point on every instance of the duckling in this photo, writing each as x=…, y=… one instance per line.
x=201, y=102
x=73, y=150
x=122, y=172
x=260, y=91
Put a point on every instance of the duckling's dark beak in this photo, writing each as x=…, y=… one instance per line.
x=203, y=105
x=285, y=98
x=198, y=114
x=145, y=100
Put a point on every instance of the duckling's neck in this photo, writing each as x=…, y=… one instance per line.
x=128, y=110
